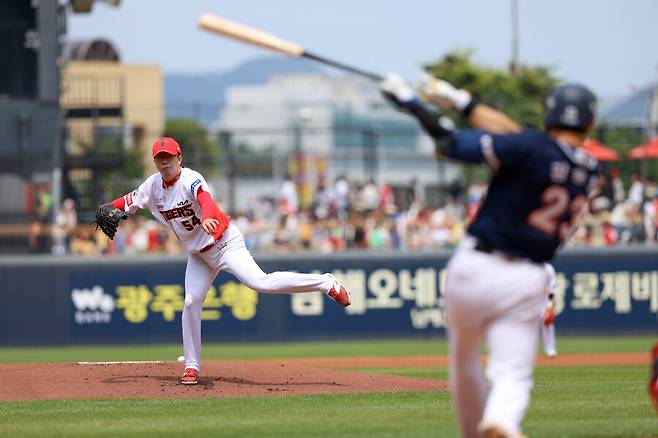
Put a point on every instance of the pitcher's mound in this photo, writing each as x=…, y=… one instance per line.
x=217, y=379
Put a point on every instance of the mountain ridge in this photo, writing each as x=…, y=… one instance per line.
x=201, y=96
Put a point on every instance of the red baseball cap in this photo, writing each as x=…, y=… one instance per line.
x=166, y=144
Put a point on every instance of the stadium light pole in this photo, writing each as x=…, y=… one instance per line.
x=514, y=63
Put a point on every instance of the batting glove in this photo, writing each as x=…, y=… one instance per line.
x=400, y=93
x=443, y=94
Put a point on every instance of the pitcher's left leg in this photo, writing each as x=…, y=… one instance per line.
x=198, y=278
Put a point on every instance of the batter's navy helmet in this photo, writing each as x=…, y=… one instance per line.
x=570, y=107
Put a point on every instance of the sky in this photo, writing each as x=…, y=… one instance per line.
x=609, y=45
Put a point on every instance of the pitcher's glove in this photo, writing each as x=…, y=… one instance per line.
x=107, y=219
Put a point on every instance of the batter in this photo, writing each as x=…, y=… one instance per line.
x=496, y=280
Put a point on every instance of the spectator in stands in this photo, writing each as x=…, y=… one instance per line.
x=580, y=237
x=369, y=197
x=650, y=211
x=304, y=230
x=454, y=210
x=439, y=228
x=386, y=225
x=409, y=195
x=140, y=236
x=324, y=201
x=171, y=245
x=320, y=237
x=387, y=199
x=636, y=191
x=617, y=183
x=637, y=224
x=336, y=234
x=378, y=234
x=63, y=227
x=356, y=232
x=620, y=219
x=44, y=203
x=288, y=201
x=39, y=215
x=83, y=243
x=342, y=193
x=610, y=235
x=241, y=221
x=122, y=242
x=283, y=238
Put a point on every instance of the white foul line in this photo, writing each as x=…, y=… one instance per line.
x=124, y=362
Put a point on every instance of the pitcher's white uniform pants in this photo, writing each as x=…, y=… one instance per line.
x=231, y=255
x=492, y=298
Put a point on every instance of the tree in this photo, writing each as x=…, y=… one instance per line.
x=521, y=96
x=198, y=149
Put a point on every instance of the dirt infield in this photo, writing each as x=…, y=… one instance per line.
x=239, y=378
x=219, y=379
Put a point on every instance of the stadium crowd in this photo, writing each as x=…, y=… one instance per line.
x=348, y=215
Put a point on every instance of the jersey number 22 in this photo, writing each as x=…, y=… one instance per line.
x=549, y=217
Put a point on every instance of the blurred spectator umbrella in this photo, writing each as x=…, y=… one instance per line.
x=646, y=150
x=600, y=151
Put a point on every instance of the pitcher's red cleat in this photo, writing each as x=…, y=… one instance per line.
x=190, y=377
x=339, y=294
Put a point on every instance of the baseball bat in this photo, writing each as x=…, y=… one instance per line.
x=249, y=35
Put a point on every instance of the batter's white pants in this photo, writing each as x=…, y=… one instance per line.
x=496, y=299
x=229, y=254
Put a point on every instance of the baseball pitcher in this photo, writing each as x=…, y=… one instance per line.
x=178, y=197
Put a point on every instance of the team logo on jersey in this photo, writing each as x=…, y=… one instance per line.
x=185, y=211
x=159, y=203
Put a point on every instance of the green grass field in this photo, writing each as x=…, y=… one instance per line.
x=566, y=401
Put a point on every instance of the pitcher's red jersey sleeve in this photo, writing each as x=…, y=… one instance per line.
x=210, y=210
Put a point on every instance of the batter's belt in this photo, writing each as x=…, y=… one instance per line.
x=487, y=248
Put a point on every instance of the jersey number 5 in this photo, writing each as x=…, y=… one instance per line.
x=190, y=226
x=556, y=201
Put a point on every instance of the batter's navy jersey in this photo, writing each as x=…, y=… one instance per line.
x=539, y=187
